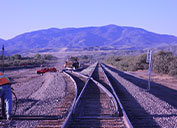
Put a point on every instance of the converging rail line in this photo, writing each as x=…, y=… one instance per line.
x=95, y=105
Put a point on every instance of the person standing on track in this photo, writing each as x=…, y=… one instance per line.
x=6, y=94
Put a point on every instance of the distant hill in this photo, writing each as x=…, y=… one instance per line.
x=2, y=41
x=105, y=36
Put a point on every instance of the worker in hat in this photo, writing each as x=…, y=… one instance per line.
x=6, y=94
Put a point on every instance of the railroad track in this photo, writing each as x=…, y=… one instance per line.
x=137, y=115
x=95, y=104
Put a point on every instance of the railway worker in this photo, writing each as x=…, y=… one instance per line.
x=6, y=94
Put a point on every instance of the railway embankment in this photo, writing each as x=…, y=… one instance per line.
x=158, y=106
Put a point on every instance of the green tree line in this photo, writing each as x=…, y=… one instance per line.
x=163, y=62
x=18, y=60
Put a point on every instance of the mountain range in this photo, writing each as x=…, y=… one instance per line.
x=105, y=36
x=2, y=41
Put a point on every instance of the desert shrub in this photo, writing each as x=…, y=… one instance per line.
x=85, y=58
x=18, y=60
x=48, y=57
x=141, y=62
x=37, y=56
x=27, y=61
x=128, y=63
x=112, y=59
x=6, y=64
x=16, y=57
x=162, y=61
x=16, y=63
x=173, y=68
x=40, y=61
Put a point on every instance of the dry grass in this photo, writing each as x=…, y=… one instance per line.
x=165, y=80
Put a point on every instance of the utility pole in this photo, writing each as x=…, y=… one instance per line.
x=149, y=60
x=3, y=58
x=2, y=99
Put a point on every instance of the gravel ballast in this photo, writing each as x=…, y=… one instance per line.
x=37, y=95
x=159, y=106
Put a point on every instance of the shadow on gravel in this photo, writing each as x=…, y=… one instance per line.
x=35, y=117
x=30, y=102
x=79, y=82
x=21, y=67
x=162, y=92
x=12, y=123
x=165, y=115
x=137, y=114
x=88, y=108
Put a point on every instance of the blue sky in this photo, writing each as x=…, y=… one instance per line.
x=20, y=16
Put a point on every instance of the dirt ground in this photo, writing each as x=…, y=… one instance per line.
x=166, y=80
x=37, y=95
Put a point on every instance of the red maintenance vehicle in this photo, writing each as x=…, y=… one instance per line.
x=52, y=69
x=44, y=70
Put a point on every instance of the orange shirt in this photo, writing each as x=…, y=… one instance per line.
x=4, y=79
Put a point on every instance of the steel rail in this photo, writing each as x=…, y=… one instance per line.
x=68, y=118
x=76, y=100
x=109, y=94
x=103, y=88
x=125, y=117
x=88, y=79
